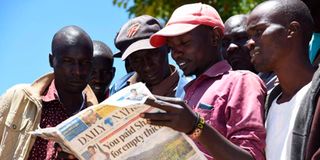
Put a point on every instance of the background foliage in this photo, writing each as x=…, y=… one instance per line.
x=163, y=8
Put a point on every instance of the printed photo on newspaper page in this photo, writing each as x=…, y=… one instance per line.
x=113, y=130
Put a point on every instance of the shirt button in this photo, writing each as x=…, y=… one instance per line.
x=14, y=126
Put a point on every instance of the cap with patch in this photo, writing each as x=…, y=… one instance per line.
x=135, y=34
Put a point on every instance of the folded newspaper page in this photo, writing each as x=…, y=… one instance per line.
x=113, y=130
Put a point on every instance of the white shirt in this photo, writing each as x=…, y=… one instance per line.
x=279, y=125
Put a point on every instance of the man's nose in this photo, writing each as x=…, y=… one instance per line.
x=176, y=53
x=147, y=63
x=77, y=69
x=231, y=48
x=96, y=77
x=250, y=44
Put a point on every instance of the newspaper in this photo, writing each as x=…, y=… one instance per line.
x=114, y=130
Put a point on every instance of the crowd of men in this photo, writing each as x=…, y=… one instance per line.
x=254, y=93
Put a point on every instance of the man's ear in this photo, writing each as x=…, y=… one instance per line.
x=217, y=35
x=293, y=29
x=51, y=59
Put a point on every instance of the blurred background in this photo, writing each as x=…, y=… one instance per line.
x=27, y=28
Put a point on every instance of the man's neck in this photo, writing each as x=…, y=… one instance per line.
x=72, y=102
x=101, y=97
x=209, y=65
x=292, y=79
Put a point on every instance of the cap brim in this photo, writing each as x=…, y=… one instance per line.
x=159, y=39
x=118, y=54
x=136, y=46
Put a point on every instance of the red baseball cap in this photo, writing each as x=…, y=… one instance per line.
x=186, y=18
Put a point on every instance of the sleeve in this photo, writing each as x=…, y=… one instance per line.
x=5, y=103
x=245, y=114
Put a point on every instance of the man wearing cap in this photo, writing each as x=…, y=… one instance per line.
x=150, y=64
x=222, y=109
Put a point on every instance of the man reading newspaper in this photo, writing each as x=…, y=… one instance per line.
x=120, y=133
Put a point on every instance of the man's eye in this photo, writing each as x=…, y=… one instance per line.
x=258, y=32
x=136, y=60
x=225, y=43
x=66, y=60
x=106, y=72
x=171, y=49
x=93, y=71
x=185, y=43
x=88, y=62
x=241, y=38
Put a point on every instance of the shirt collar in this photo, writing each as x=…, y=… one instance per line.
x=215, y=70
x=52, y=93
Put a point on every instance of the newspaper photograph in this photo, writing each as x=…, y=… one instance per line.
x=114, y=130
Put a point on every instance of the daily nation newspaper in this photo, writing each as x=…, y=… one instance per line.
x=113, y=130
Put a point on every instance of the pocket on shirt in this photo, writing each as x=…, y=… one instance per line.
x=207, y=109
x=13, y=128
x=15, y=123
x=11, y=136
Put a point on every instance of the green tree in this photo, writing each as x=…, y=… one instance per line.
x=163, y=8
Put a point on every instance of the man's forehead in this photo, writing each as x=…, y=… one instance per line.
x=145, y=53
x=75, y=53
x=175, y=40
x=235, y=21
x=261, y=15
x=267, y=9
x=238, y=29
x=254, y=21
x=188, y=35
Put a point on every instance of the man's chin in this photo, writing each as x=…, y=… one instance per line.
x=75, y=89
x=153, y=82
x=187, y=73
x=260, y=68
x=96, y=91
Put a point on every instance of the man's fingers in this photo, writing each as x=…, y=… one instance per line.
x=169, y=107
x=174, y=100
x=157, y=116
x=149, y=101
x=159, y=123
